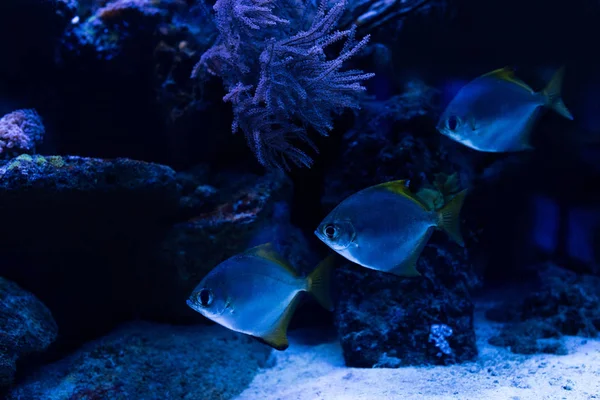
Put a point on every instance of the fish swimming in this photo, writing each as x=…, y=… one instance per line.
x=256, y=293
x=385, y=227
x=496, y=111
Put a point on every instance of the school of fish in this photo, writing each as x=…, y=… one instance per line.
x=384, y=227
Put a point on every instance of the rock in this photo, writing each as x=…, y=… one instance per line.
x=242, y=210
x=381, y=317
x=26, y=326
x=151, y=361
x=564, y=303
x=78, y=232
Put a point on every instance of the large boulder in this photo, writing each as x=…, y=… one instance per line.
x=78, y=232
x=26, y=327
x=155, y=362
x=561, y=302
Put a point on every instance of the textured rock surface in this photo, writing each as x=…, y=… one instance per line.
x=386, y=321
x=563, y=303
x=26, y=326
x=154, y=362
x=81, y=228
x=383, y=320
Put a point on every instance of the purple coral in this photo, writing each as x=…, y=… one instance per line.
x=20, y=132
x=281, y=85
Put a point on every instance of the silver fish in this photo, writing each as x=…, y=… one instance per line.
x=256, y=293
x=385, y=227
x=496, y=111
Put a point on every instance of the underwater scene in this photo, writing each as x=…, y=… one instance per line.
x=299, y=200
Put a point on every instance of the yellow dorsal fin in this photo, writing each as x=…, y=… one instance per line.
x=508, y=74
x=400, y=187
x=268, y=252
x=277, y=336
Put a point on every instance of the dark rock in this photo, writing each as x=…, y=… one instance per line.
x=564, y=303
x=26, y=326
x=242, y=211
x=530, y=337
x=78, y=233
x=380, y=316
x=150, y=361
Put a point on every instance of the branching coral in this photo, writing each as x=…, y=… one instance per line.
x=282, y=84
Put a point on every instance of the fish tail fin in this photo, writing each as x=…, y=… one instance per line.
x=552, y=94
x=449, y=217
x=319, y=282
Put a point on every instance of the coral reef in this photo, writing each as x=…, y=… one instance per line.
x=147, y=190
x=26, y=326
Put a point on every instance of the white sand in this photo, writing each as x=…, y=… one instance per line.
x=314, y=372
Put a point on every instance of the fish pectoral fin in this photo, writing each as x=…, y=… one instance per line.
x=508, y=74
x=267, y=251
x=277, y=336
x=408, y=268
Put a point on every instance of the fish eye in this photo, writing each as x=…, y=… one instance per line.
x=452, y=122
x=205, y=297
x=330, y=231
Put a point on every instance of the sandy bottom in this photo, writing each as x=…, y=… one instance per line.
x=317, y=371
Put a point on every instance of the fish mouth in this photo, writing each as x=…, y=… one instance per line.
x=192, y=305
x=324, y=239
x=444, y=131
x=319, y=235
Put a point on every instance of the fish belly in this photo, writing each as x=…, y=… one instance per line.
x=257, y=314
x=506, y=133
x=386, y=250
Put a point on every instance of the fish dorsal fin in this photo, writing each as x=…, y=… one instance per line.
x=277, y=336
x=267, y=251
x=400, y=187
x=508, y=74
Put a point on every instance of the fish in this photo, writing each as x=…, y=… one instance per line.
x=496, y=111
x=386, y=227
x=256, y=293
